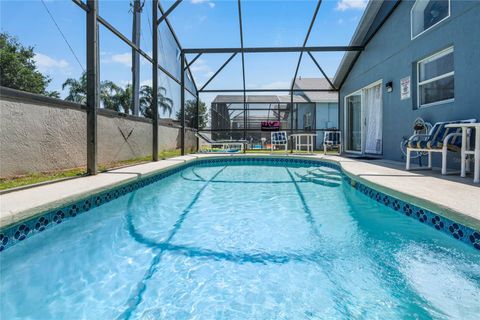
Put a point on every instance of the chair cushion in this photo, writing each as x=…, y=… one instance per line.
x=331, y=137
x=438, y=134
x=424, y=144
x=279, y=137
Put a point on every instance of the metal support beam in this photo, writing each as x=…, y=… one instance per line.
x=338, y=115
x=193, y=61
x=305, y=42
x=172, y=31
x=291, y=121
x=268, y=90
x=93, y=85
x=392, y=5
x=274, y=49
x=218, y=71
x=165, y=15
x=155, y=83
x=257, y=130
x=182, y=103
x=81, y=4
x=136, y=23
x=243, y=72
x=143, y=53
x=197, y=124
x=321, y=70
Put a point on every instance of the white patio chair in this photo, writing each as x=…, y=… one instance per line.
x=440, y=139
x=331, y=139
x=279, y=139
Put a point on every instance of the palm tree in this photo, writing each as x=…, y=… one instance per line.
x=77, y=91
x=112, y=96
x=124, y=98
x=146, y=101
x=116, y=98
x=109, y=95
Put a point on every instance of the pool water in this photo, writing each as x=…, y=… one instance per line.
x=240, y=241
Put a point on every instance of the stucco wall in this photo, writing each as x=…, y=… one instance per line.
x=391, y=55
x=40, y=134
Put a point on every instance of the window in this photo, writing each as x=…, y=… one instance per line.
x=307, y=120
x=428, y=13
x=435, y=77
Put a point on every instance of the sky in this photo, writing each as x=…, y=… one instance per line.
x=198, y=24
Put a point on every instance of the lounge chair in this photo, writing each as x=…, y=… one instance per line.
x=331, y=139
x=225, y=145
x=439, y=139
x=279, y=139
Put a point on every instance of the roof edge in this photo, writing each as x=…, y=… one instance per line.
x=359, y=37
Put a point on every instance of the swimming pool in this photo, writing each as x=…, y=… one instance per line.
x=236, y=240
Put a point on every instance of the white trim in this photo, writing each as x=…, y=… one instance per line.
x=442, y=52
x=437, y=103
x=362, y=116
x=355, y=93
x=374, y=84
x=434, y=57
x=445, y=75
x=412, y=37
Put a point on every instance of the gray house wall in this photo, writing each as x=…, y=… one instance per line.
x=391, y=55
x=327, y=117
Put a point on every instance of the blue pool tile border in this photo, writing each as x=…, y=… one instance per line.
x=13, y=234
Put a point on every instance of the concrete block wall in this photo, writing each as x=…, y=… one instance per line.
x=39, y=134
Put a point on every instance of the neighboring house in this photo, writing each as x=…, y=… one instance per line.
x=326, y=103
x=313, y=111
x=424, y=61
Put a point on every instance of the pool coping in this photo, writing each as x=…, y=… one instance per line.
x=14, y=209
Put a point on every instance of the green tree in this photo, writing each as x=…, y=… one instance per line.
x=116, y=98
x=191, y=114
x=146, y=100
x=18, y=69
x=123, y=98
x=112, y=96
x=77, y=89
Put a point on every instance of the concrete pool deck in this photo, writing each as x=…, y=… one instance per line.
x=451, y=196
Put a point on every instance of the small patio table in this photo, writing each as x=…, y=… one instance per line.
x=465, y=152
x=298, y=141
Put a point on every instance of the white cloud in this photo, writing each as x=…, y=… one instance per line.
x=201, y=68
x=45, y=63
x=343, y=5
x=123, y=58
x=147, y=82
x=276, y=85
x=209, y=2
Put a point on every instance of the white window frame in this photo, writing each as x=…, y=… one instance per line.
x=431, y=27
x=345, y=121
x=308, y=124
x=436, y=55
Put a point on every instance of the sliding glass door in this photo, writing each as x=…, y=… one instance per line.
x=353, y=123
x=363, y=120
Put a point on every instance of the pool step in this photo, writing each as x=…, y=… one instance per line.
x=324, y=181
x=333, y=175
